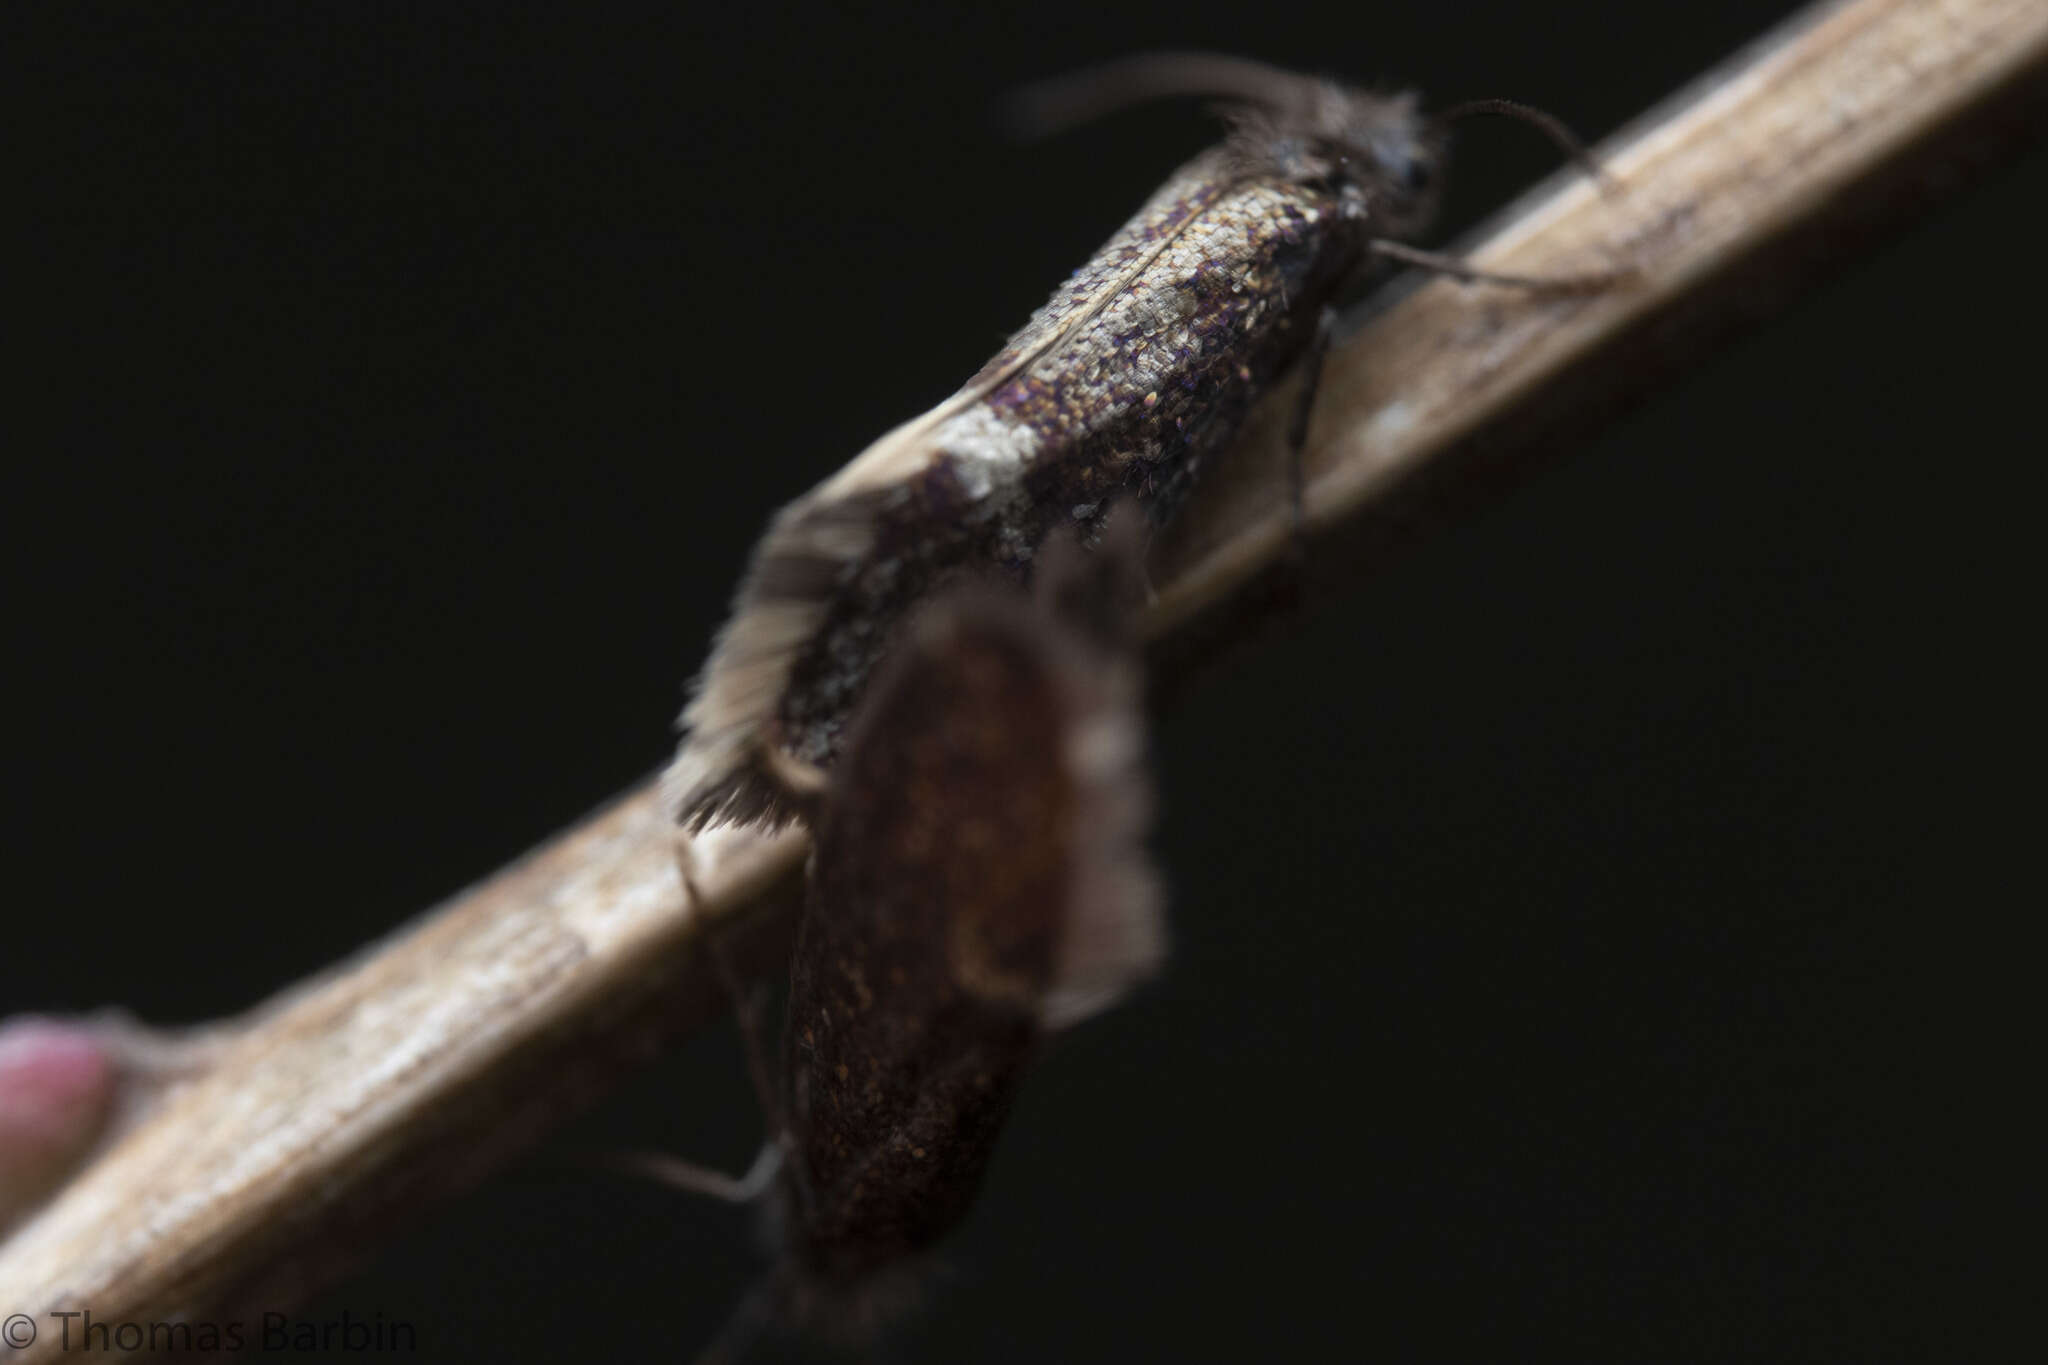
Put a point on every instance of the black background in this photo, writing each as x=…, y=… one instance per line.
x=1581, y=930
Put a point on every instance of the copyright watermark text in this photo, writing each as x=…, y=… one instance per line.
x=81, y=1331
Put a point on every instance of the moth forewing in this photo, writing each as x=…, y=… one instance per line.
x=978, y=879
x=1139, y=368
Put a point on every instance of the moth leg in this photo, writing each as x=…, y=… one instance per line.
x=749, y=1322
x=692, y=1178
x=746, y=1009
x=746, y=1013
x=689, y=1176
x=1297, y=435
x=1590, y=282
x=801, y=784
x=745, y=1004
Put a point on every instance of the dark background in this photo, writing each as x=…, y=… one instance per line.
x=1585, y=931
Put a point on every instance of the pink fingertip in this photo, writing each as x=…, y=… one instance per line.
x=56, y=1081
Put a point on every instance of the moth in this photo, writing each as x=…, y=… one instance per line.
x=978, y=881
x=1139, y=370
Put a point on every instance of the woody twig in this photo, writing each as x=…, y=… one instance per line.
x=319, y=1124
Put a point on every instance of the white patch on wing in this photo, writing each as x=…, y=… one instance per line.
x=986, y=450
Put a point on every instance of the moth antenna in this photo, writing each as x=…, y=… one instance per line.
x=1044, y=108
x=1549, y=124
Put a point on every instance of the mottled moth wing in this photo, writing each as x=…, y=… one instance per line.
x=978, y=877
x=808, y=561
x=1140, y=367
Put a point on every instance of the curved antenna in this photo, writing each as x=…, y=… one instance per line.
x=1052, y=106
x=1550, y=124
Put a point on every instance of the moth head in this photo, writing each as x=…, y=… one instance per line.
x=1378, y=155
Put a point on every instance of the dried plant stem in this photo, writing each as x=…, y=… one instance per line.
x=413, y=1070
